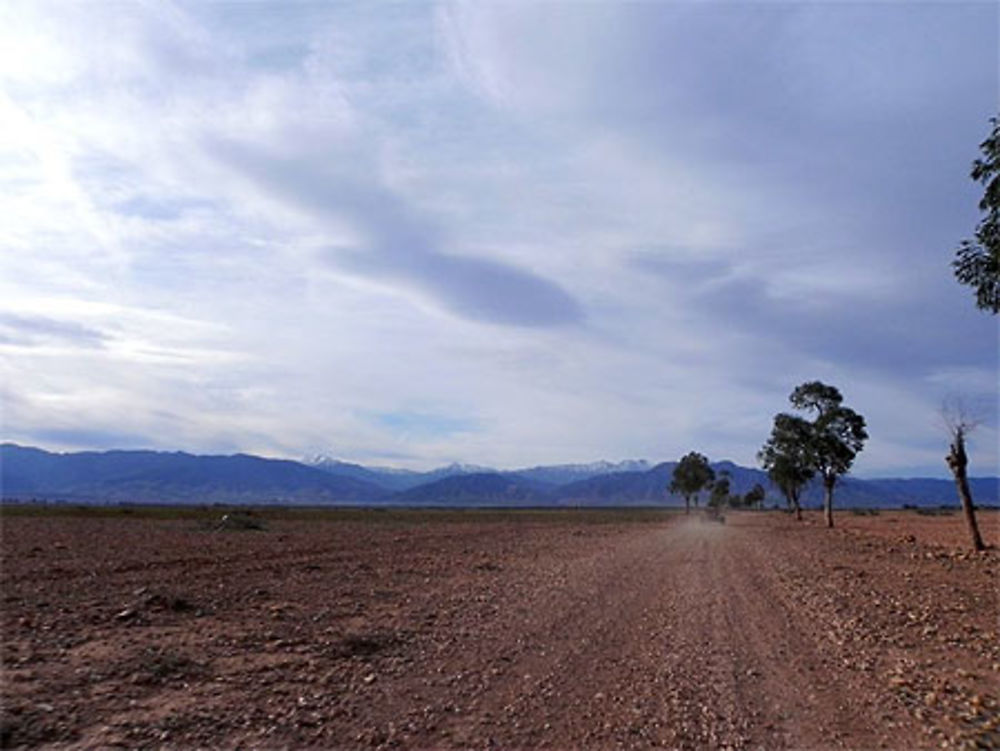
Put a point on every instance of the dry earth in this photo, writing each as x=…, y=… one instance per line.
x=555, y=630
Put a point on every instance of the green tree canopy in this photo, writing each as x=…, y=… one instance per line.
x=755, y=496
x=720, y=490
x=977, y=261
x=788, y=457
x=837, y=434
x=691, y=476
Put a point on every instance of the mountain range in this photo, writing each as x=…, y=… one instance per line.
x=404, y=479
x=177, y=477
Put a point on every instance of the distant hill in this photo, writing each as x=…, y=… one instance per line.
x=622, y=488
x=562, y=474
x=165, y=477
x=541, y=476
x=918, y=491
x=391, y=478
x=152, y=476
x=479, y=489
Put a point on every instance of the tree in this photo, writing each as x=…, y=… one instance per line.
x=960, y=425
x=787, y=458
x=720, y=491
x=755, y=496
x=691, y=476
x=837, y=435
x=977, y=261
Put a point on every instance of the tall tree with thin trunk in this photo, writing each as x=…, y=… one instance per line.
x=691, y=476
x=977, y=264
x=837, y=435
x=960, y=425
x=787, y=458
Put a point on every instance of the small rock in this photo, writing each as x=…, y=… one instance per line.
x=369, y=679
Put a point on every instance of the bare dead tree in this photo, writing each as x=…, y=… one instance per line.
x=960, y=424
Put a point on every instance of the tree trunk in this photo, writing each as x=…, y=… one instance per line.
x=792, y=497
x=687, y=504
x=958, y=463
x=828, y=483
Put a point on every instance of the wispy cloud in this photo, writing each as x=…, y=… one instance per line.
x=33, y=330
x=424, y=425
x=399, y=244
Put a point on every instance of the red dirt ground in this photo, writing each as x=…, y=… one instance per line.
x=555, y=630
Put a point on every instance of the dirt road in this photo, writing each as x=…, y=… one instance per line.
x=683, y=633
x=688, y=636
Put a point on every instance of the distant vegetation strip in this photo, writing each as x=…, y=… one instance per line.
x=373, y=515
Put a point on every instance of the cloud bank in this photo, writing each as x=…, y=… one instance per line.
x=521, y=233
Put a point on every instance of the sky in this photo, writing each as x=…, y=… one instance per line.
x=508, y=234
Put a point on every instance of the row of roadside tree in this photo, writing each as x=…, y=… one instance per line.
x=821, y=441
x=800, y=448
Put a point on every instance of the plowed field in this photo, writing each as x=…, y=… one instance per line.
x=478, y=630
